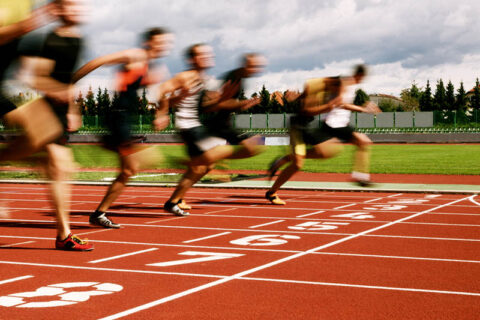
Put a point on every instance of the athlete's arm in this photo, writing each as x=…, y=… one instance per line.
x=39, y=78
x=38, y=18
x=122, y=57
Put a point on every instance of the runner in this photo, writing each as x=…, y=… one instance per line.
x=338, y=93
x=134, y=73
x=185, y=92
x=217, y=117
x=319, y=96
x=52, y=74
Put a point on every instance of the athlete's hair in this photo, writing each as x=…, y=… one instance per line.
x=190, y=52
x=360, y=70
x=152, y=32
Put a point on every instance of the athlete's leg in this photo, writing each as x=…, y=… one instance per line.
x=285, y=175
x=248, y=148
x=60, y=165
x=190, y=177
x=325, y=150
x=59, y=168
x=213, y=155
x=361, y=166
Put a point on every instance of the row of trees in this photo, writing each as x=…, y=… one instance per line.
x=100, y=103
x=444, y=98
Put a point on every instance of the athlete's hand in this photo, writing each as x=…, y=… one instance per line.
x=371, y=107
x=161, y=122
x=251, y=103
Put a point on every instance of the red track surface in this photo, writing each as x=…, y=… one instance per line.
x=326, y=255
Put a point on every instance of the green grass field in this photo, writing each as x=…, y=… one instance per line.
x=401, y=159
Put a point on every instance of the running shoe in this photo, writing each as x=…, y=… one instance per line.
x=364, y=183
x=103, y=221
x=274, y=198
x=175, y=209
x=73, y=243
x=183, y=205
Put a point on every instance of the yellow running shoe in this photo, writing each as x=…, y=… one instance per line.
x=183, y=205
x=274, y=199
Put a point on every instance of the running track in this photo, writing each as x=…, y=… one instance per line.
x=326, y=255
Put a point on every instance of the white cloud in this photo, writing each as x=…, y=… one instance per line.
x=403, y=41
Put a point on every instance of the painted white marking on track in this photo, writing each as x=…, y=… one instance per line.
x=265, y=224
x=474, y=294
x=123, y=255
x=16, y=244
x=310, y=214
x=15, y=279
x=472, y=199
x=265, y=266
x=208, y=237
x=345, y=206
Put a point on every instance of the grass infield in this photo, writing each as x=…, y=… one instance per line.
x=461, y=159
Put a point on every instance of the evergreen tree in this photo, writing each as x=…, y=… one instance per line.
x=100, y=104
x=263, y=106
x=426, y=101
x=114, y=99
x=415, y=92
x=450, y=96
x=90, y=105
x=80, y=101
x=439, y=99
x=361, y=97
x=106, y=101
x=475, y=99
x=242, y=96
x=461, y=98
x=143, y=103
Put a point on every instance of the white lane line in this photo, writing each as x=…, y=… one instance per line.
x=262, y=267
x=396, y=257
x=250, y=230
x=345, y=206
x=223, y=210
x=373, y=200
x=474, y=294
x=150, y=222
x=472, y=199
x=265, y=224
x=208, y=237
x=16, y=244
x=96, y=231
x=123, y=255
x=310, y=214
x=15, y=279
x=395, y=195
x=17, y=263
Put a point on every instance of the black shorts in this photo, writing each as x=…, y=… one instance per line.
x=198, y=140
x=118, y=124
x=301, y=137
x=233, y=136
x=343, y=133
x=9, y=54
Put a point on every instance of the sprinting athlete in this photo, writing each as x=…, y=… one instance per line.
x=52, y=72
x=217, y=117
x=134, y=73
x=325, y=140
x=319, y=96
x=336, y=123
x=185, y=92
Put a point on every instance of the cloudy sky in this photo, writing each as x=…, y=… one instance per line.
x=402, y=41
